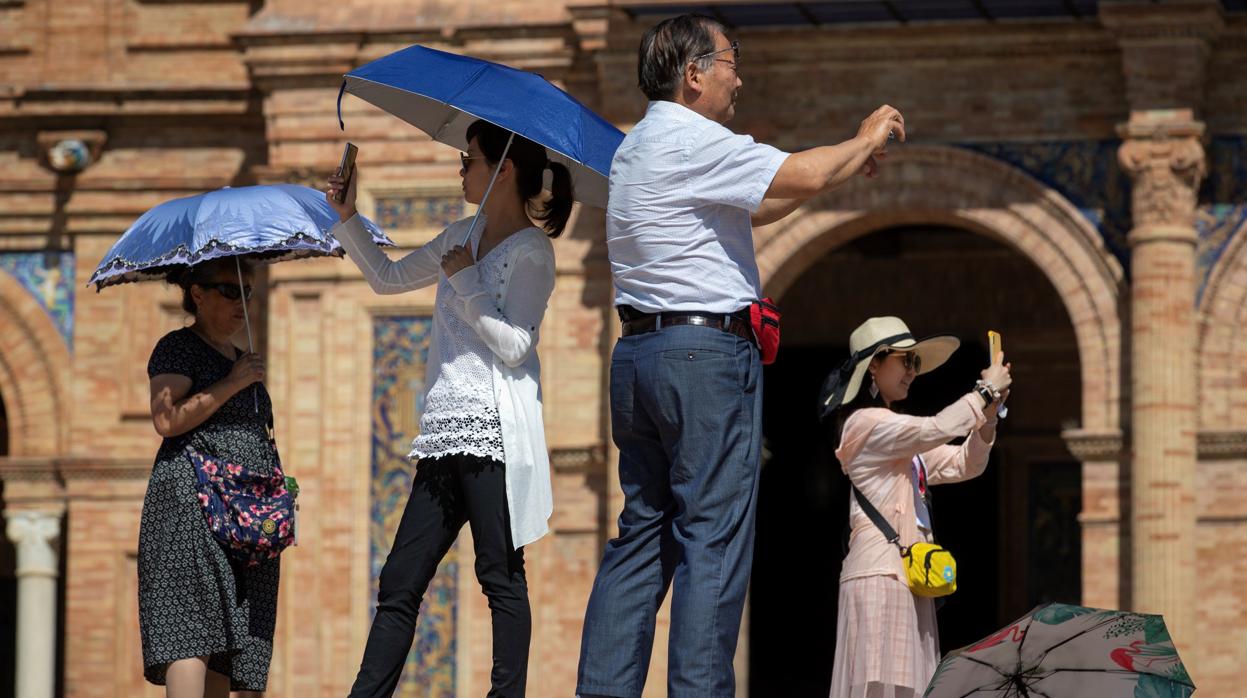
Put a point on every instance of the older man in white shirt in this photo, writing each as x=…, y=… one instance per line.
x=686, y=376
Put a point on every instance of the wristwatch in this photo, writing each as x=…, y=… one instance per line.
x=986, y=391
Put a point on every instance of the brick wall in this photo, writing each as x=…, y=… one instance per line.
x=197, y=95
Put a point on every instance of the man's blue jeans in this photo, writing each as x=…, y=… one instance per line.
x=686, y=414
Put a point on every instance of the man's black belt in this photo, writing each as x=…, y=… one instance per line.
x=637, y=322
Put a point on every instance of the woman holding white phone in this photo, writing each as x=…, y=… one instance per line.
x=481, y=449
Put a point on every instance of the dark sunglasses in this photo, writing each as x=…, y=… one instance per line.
x=230, y=291
x=909, y=360
x=464, y=159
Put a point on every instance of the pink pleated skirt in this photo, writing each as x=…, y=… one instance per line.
x=887, y=644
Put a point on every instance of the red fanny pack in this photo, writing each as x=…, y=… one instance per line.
x=764, y=316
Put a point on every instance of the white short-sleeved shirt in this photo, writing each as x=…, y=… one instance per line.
x=682, y=188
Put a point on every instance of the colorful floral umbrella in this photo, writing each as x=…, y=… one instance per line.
x=1064, y=651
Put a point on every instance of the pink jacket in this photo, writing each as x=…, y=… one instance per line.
x=876, y=452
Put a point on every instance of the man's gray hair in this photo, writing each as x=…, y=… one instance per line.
x=669, y=46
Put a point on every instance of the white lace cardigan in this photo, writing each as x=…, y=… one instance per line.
x=509, y=324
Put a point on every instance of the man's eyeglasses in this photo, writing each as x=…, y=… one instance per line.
x=230, y=291
x=734, y=48
x=464, y=159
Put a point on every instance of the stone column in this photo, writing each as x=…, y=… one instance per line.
x=35, y=534
x=1163, y=154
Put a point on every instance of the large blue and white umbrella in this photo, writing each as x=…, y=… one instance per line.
x=267, y=223
x=443, y=93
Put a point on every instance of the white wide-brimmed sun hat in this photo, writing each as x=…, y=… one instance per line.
x=876, y=335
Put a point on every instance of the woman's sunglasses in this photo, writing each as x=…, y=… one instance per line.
x=910, y=360
x=230, y=291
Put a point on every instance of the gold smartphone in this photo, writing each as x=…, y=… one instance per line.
x=346, y=169
x=994, y=346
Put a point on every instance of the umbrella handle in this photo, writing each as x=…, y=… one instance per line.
x=255, y=394
x=490, y=188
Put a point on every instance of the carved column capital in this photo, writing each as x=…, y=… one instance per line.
x=35, y=534
x=1164, y=156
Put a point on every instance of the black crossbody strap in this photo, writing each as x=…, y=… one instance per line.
x=881, y=523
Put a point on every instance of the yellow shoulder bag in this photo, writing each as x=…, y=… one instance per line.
x=931, y=569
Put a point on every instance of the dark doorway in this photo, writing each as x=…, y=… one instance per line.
x=8, y=581
x=1014, y=529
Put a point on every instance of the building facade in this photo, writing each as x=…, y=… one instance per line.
x=1075, y=177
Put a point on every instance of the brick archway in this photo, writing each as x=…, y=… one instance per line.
x=1222, y=347
x=928, y=185
x=34, y=361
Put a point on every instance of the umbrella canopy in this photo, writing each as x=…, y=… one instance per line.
x=1059, y=650
x=269, y=223
x=443, y=93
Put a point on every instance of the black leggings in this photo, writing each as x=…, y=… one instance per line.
x=447, y=492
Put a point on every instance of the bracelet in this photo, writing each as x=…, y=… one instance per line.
x=987, y=391
x=984, y=393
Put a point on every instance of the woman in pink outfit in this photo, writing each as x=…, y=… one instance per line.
x=887, y=644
